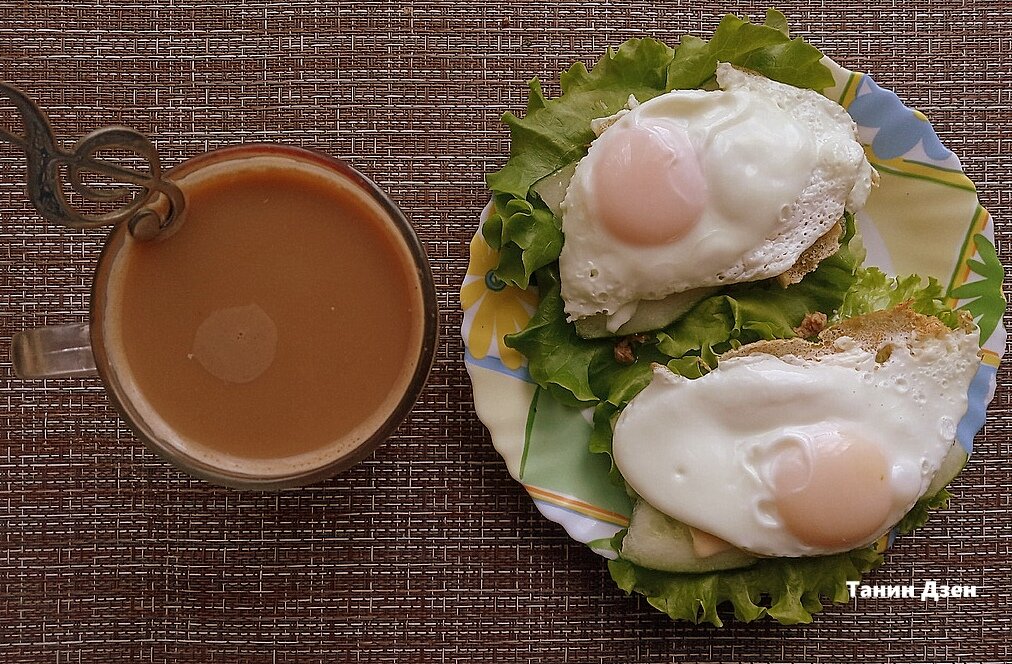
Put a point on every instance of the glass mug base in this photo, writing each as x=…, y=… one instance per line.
x=275, y=337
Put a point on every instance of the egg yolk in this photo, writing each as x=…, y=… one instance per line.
x=832, y=491
x=649, y=188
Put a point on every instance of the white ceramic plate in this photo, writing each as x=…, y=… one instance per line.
x=924, y=218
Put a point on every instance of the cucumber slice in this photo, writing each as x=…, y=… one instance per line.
x=552, y=188
x=951, y=465
x=656, y=541
x=649, y=315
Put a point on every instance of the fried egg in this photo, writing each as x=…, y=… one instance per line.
x=785, y=456
x=704, y=188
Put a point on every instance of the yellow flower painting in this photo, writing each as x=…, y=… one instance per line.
x=492, y=309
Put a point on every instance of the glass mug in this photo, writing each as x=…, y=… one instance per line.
x=248, y=347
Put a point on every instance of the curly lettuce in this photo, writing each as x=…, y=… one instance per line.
x=793, y=587
x=918, y=515
x=874, y=290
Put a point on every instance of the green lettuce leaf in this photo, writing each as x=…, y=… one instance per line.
x=777, y=21
x=763, y=310
x=618, y=383
x=789, y=590
x=873, y=290
x=745, y=314
x=558, y=358
x=766, y=49
x=555, y=133
x=527, y=235
x=601, y=438
x=918, y=515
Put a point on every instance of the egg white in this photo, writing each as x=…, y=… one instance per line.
x=702, y=450
x=780, y=163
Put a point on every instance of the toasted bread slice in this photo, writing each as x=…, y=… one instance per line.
x=824, y=247
x=874, y=332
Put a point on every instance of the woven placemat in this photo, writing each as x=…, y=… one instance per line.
x=428, y=551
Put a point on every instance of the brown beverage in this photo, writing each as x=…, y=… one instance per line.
x=276, y=328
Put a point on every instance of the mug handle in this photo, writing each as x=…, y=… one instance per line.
x=55, y=351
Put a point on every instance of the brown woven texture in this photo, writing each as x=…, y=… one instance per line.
x=428, y=551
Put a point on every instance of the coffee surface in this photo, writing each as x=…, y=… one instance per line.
x=280, y=317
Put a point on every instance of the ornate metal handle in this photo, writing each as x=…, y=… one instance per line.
x=155, y=203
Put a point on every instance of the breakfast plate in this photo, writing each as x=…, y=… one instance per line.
x=924, y=219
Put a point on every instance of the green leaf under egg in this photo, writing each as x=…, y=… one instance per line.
x=874, y=290
x=558, y=358
x=583, y=372
x=766, y=49
x=789, y=590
